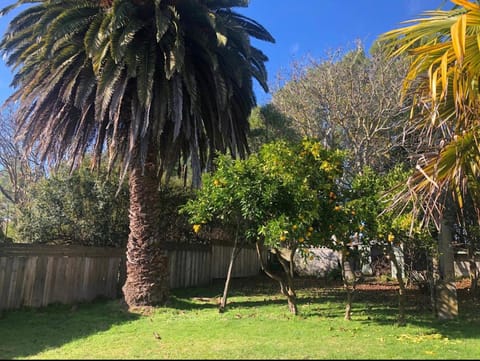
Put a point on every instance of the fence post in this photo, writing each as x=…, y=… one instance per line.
x=122, y=274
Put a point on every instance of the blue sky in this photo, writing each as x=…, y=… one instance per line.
x=303, y=27
x=314, y=27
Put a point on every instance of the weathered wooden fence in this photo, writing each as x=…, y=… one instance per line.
x=195, y=265
x=462, y=264
x=38, y=275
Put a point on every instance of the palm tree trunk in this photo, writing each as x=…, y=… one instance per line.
x=147, y=282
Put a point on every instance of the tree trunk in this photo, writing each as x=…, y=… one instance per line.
x=447, y=303
x=473, y=271
x=147, y=282
x=348, y=277
x=286, y=286
x=236, y=250
x=401, y=284
x=433, y=277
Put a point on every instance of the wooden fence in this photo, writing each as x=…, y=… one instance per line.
x=38, y=275
x=196, y=265
x=462, y=264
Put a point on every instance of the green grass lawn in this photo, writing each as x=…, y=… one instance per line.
x=256, y=325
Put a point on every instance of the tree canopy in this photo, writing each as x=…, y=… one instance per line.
x=350, y=100
x=120, y=75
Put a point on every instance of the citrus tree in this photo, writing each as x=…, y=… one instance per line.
x=371, y=197
x=282, y=199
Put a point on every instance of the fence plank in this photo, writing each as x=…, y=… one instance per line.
x=59, y=285
x=8, y=278
x=69, y=277
x=184, y=267
x=3, y=281
x=14, y=278
x=85, y=294
x=111, y=277
x=28, y=281
x=38, y=282
x=79, y=275
x=172, y=261
x=18, y=289
x=49, y=279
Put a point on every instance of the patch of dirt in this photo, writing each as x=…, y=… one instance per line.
x=367, y=288
x=142, y=310
x=377, y=286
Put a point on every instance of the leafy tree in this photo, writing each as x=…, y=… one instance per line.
x=370, y=197
x=147, y=81
x=6, y=207
x=17, y=171
x=281, y=198
x=351, y=101
x=268, y=124
x=79, y=208
x=403, y=235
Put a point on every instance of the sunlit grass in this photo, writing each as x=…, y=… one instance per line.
x=256, y=325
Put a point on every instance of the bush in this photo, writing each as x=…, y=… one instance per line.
x=82, y=208
x=174, y=226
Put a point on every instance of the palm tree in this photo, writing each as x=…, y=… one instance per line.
x=444, y=76
x=149, y=82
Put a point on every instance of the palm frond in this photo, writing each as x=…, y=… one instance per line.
x=250, y=26
x=443, y=47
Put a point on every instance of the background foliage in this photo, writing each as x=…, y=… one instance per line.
x=80, y=208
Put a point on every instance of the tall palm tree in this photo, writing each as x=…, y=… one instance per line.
x=148, y=82
x=444, y=76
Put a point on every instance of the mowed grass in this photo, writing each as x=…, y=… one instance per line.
x=256, y=325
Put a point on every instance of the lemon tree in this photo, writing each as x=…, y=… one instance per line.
x=284, y=198
x=372, y=197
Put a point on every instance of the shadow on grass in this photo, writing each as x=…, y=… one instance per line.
x=380, y=306
x=28, y=331
x=372, y=304
x=198, y=298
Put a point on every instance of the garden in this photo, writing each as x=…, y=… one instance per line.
x=134, y=128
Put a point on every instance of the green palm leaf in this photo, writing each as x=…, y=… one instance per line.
x=444, y=49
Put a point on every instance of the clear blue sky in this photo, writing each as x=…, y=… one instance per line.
x=303, y=27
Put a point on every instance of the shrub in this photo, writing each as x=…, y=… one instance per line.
x=81, y=208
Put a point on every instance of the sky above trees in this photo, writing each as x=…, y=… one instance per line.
x=303, y=27
x=313, y=27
